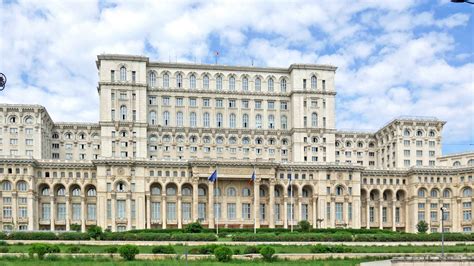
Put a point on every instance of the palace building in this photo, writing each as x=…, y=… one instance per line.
x=165, y=127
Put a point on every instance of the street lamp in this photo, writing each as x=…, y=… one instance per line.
x=463, y=1
x=443, y=209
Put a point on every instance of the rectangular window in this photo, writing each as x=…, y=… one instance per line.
x=371, y=214
x=467, y=215
x=231, y=215
x=155, y=211
x=406, y=143
x=121, y=209
x=61, y=211
x=76, y=211
x=179, y=102
x=219, y=103
x=202, y=211
x=217, y=210
x=109, y=208
x=262, y=212
x=245, y=104
x=45, y=211
x=23, y=212
x=258, y=104
x=206, y=102
x=133, y=209
x=246, y=211
x=397, y=214
x=187, y=211
x=304, y=212
x=384, y=214
x=192, y=102
x=91, y=212
x=421, y=215
x=277, y=212
x=339, y=212
x=271, y=105
x=349, y=211
x=7, y=212
x=328, y=211
x=171, y=211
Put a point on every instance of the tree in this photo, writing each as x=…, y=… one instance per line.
x=422, y=227
x=95, y=232
x=267, y=253
x=304, y=225
x=223, y=254
x=195, y=227
x=128, y=252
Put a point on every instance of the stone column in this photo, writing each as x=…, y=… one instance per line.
x=456, y=213
x=299, y=213
x=211, y=218
x=345, y=213
x=394, y=224
x=68, y=211
x=52, y=212
x=163, y=211
x=380, y=216
x=256, y=202
x=367, y=210
x=114, y=212
x=14, y=210
x=333, y=213
x=179, y=216
x=129, y=211
x=195, y=200
x=83, y=214
x=356, y=214
x=272, y=205
x=322, y=213
x=31, y=212
x=285, y=212
x=314, y=212
x=148, y=211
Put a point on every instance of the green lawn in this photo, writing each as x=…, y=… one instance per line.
x=106, y=262
x=180, y=249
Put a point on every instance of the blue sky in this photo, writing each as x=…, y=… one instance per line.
x=394, y=57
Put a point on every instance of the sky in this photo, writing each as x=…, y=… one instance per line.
x=394, y=57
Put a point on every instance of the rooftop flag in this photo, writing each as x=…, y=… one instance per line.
x=213, y=177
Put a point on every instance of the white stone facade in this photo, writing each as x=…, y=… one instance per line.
x=165, y=127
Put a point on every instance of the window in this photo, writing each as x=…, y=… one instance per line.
x=45, y=211
x=22, y=186
x=91, y=192
x=313, y=82
x=171, y=211
x=258, y=121
x=152, y=79
x=166, y=118
x=112, y=75
x=245, y=84
x=179, y=80
x=219, y=120
x=232, y=121
x=232, y=83
x=219, y=83
x=231, y=215
x=152, y=118
x=206, y=120
x=155, y=211
x=283, y=85
x=123, y=112
x=339, y=211
x=192, y=119
x=246, y=192
x=166, y=81
x=271, y=121
x=121, y=209
x=123, y=74
x=231, y=192
x=467, y=192
x=192, y=81
x=205, y=82
x=314, y=120
x=179, y=119
x=245, y=121
x=246, y=211
x=258, y=84
x=7, y=186
x=284, y=122
x=270, y=85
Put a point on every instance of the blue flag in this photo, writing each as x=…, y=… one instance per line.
x=213, y=177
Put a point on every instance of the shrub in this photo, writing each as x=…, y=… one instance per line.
x=73, y=249
x=422, y=227
x=32, y=236
x=329, y=249
x=163, y=250
x=3, y=249
x=42, y=249
x=267, y=253
x=223, y=254
x=3, y=243
x=195, y=227
x=95, y=232
x=75, y=227
x=73, y=236
x=304, y=225
x=236, y=251
x=251, y=250
x=128, y=252
x=111, y=250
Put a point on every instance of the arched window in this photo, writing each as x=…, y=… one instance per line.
x=245, y=121
x=258, y=84
x=245, y=84
x=262, y=192
x=283, y=85
x=120, y=187
x=171, y=191
x=201, y=192
x=45, y=192
x=12, y=119
x=419, y=133
x=284, y=122
x=314, y=82
x=206, y=139
x=348, y=144
x=29, y=120
x=434, y=193
x=360, y=144
x=166, y=81
x=192, y=81
x=314, y=120
x=270, y=84
x=156, y=190
x=22, y=186
x=284, y=142
x=123, y=112
x=205, y=82
x=232, y=83
x=166, y=138
x=232, y=121
x=406, y=132
x=277, y=193
x=231, y=192
x=245, y=141
x=271, y=121
x=457, y=163
x=6, y=186
x=179, y=80
x=152, y=118
x=76, y=192
x=339, y=191
x=166, y=118
x=446, y=193
x=219, y=83
x=258, y=141
x=470, y=162
x=91, y=192
x=305, y=193
x=192, y=119
x=258, y=121
x=467, y=192
x=246, y=192
x=422, y=193
x=152, y=138
x=219, y=140
x=206, y=120
x=219, y=120
x=123, y=74
x=232, y=140
x=179, y=119
x=152, y=79
x=61, y=192
x=186, y=191
x=55, y=136
x=432, y=133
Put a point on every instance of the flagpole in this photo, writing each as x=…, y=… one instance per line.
x=218, y=210
x=255, y=205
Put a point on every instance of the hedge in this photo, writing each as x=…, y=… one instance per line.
x=125, y=236
x=293, y=237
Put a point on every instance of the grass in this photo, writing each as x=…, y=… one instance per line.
x=55, y=261
x=181, y=249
